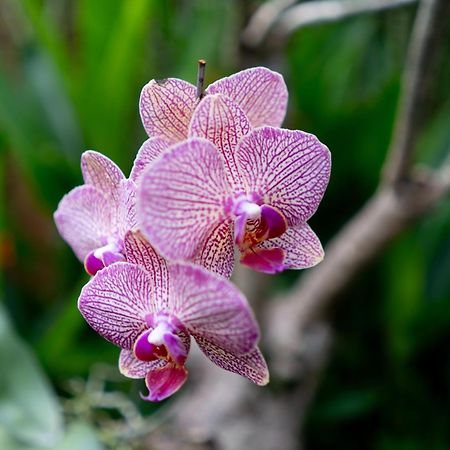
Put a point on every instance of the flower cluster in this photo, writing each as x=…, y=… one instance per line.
x=216, y=173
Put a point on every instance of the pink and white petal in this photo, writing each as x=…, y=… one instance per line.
x=260, y=92
x=221, y=121
x=164, y=382
x=217, y=252
x=148, y=152
x=181, y=198
x=99, y=171
x=116, y=302
x=125, y=212
x=289, y=169
x=301, y=245
x=139, y=251
x=83, y=219
x=251, y=365
x=211, y=307
x=166, y=108
x=132, y=367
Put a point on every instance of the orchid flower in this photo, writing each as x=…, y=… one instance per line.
x=228, y=183
x=94, y=218
x=167, y=106
x=150, y=308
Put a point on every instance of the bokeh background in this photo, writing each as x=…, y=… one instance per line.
x=70, y=77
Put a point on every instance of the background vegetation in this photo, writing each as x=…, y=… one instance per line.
x=70, y=78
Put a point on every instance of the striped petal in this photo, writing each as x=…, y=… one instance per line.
x=148, y=152
x=301, y=246
x=132, y=367
x=217, y=252
x=260, y=92
x=101, y=172
x=221, y=121
x=83, y=219
x=125, y=212
x=139, y=251
x=212, y=308
x=251, y=366
x=289, y=169
x=116, y=301
x=166, y=107
x=181, y=197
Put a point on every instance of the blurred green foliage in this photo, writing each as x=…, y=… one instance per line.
x=70, y=77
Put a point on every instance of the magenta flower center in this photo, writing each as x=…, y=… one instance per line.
x=104, y=256
x=255, y=222
x=162, y=340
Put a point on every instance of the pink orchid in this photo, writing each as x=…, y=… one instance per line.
x=150, y=308
x=167, y=106
x=256, y=188
x=94, y=218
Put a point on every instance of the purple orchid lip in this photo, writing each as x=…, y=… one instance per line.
x=161, y=341
x=264, y=260
x=165, y=381
x=103, y=256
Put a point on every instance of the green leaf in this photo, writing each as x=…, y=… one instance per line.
x=29, y=408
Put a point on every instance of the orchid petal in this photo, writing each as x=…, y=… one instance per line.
x=148, y=152
x=221, y=121
x=83, y=219
x=166, y=107
x=164, y=382
x=101, y=172
x=301, y=246
x=116, y=301
x=139, y=251
x=125, y=212
x=251, y=365
x=211, y=307
x=290, y=169
x=260, y=92
x=132, y=367
x=217, y=252
x=266, y=260
x=181, y=198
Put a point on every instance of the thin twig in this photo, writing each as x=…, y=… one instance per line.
x=201, y=78
x=263, y=20
x=278, y=27
x=406, y=127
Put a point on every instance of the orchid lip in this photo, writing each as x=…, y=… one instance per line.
x=104, y=256
x=161, y=340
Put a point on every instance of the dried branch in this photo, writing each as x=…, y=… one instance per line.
x=275, y=24
x=407, y=127
x=230, y=412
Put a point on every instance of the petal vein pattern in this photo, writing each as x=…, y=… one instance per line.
x=261, y=93
x=116, y=301
x=212, y=308
x=101, y=172
x=289, y=169
x=221, y=121
x=83, y=219
x=181, y=198
x=166, y=107
x=139, y=251
x=251, y=365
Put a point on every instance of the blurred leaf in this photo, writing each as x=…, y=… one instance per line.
x=29, y=408
x=80, y=436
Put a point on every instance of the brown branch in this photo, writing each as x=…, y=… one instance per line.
x=407, y=124
x=230, y=412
